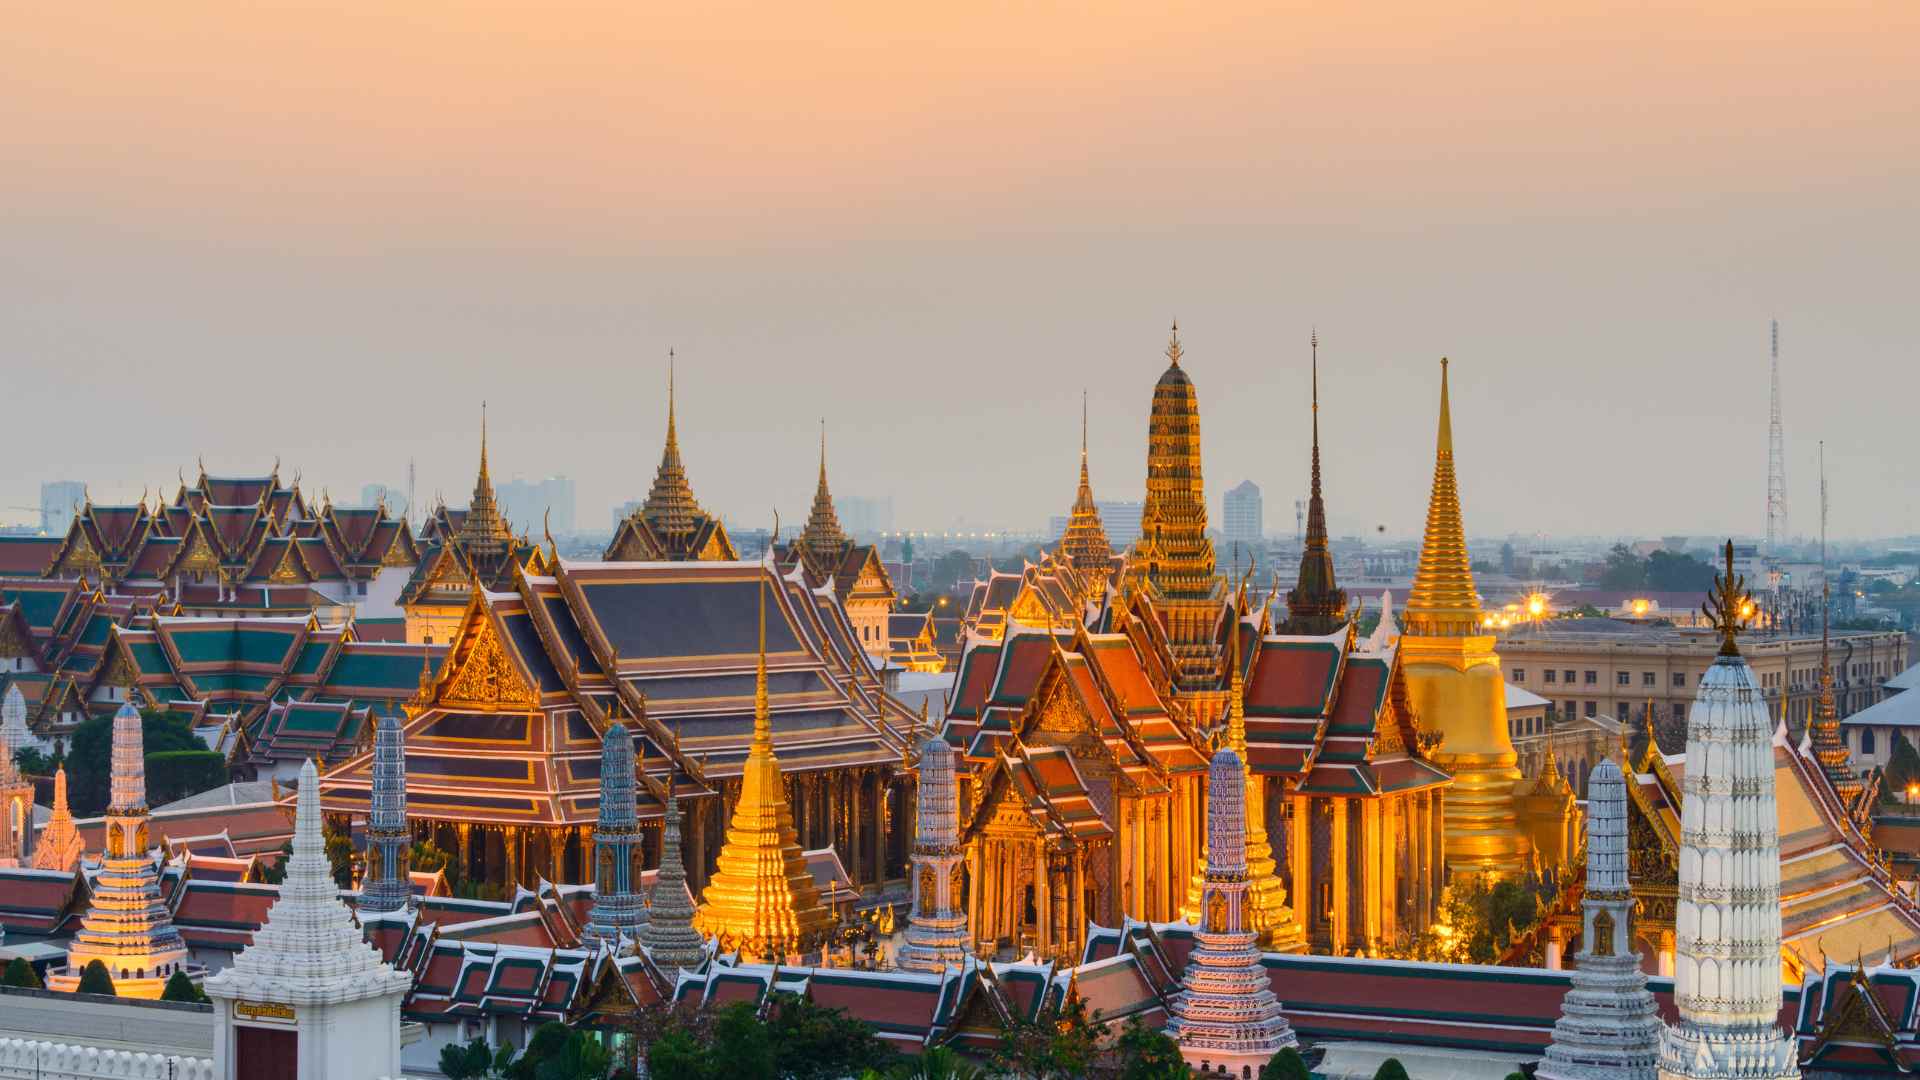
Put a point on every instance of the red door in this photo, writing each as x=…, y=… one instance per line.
x=265, y=1053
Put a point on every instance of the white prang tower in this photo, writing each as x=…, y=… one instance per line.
x=1608, y=1029
x=1225, y=1015
x=127, y=928
x=937, y=930
x=1727, y=947
x=309, y=989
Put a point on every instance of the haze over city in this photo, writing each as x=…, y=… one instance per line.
x=329, y=232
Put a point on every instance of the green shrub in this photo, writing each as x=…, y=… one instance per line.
x=95, y=980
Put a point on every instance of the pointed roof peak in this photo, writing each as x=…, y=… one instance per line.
x=1173, y=344
x=670, y=504
x=1317, y=605
x=823, y=540
x=1443, y=601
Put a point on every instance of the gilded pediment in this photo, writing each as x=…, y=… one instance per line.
x=484, y=674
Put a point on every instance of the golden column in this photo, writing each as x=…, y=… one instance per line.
x=1454, y=680
x=761, y=900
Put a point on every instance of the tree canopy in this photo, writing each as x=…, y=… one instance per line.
x=95, y=980
x=20, y=973
x=90, y=759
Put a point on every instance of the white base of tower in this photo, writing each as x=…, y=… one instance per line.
x=1691, y=1053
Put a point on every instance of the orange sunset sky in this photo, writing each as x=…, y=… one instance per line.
x=327, y=231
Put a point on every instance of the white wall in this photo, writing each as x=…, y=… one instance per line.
x=63, y=1061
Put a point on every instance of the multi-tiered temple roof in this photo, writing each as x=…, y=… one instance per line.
x=670, y=525
x=509, y=732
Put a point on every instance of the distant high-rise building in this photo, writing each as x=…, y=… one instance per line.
x=865, y=516
x=1243, y=516
x=1122, y=520
x=526, y=503
x=57, y=500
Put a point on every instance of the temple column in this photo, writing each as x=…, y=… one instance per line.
x=1556, y=946
x=1077, y=903
x=1341, y=873
x=699, y=841
x=511, y=837
x=879, y=831
x=1042, y=902
x=1370, y=876
x=463, y=841
x=1298, y=857
x=1666, y=953
x=1057, y=892
x=974, y=871
x=1137, y=902
x=1387, y=895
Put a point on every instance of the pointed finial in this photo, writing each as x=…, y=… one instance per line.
x=1729, y=606
x=1173, y=344
x=483, y=437
x=1446, y=414
x=1083, y=429
x=672, y=435
x=762, y=723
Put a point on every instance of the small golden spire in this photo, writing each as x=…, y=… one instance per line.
x=1173, y=344
x=1728, y=606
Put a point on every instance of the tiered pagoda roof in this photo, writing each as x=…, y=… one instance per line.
x=510, y=730
x=1174, y=558
x=1084, y=543
x=670, y=525
x=267, y=551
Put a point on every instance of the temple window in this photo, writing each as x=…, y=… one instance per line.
x=1866, y=740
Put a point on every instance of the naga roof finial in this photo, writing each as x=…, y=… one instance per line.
x=1729, y=605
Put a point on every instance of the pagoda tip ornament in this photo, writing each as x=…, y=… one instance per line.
x=1729, y=606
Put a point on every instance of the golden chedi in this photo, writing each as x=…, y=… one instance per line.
x=761, y=901
x=1455, y=684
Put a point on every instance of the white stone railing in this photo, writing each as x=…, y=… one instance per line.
x=24, y=1059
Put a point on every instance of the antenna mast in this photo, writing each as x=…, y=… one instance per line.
x=1776, y=471
x=410, y=503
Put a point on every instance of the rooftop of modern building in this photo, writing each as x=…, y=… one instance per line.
x=1629, y=632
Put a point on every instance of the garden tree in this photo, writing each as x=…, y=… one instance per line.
x=466, y=1061
x=20, y=973
x=812, y=1042
x=1584, y=611
x=181, y=988
x=937, y=1063
x=556, y=1052
x=1061, y=1041
x=1518, y=1075
x=740, y=1049
x=1903, y=768
x=676, y=1055
x=1285, y=1065
x=427, y=857
x=34, y=762
x=1391, y=1069
x=95, y=980
x=276, y=872
x=89, y=762
x=1670, y=571
x=1623, y=569
x=176, y=774
x=340, y=857
x=1148, y=1054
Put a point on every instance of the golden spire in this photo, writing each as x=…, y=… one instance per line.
x=483, y=533
x=1173, y=344
x=761, y=900
x=1824, y=733
x=1728, y=606
x=670, y=505
x=1443, y=601
x=823, y=540
x=1084, y=544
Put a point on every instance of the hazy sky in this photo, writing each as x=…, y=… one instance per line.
x=327, y=231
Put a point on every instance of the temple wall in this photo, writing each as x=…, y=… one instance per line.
x=155, y=1027
x=63, y=1061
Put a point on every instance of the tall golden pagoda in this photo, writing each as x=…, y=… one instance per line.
x=1455, y=684
x=1316, y=605
x=1084, y=544
x=761, y=901
x=1174, y=558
